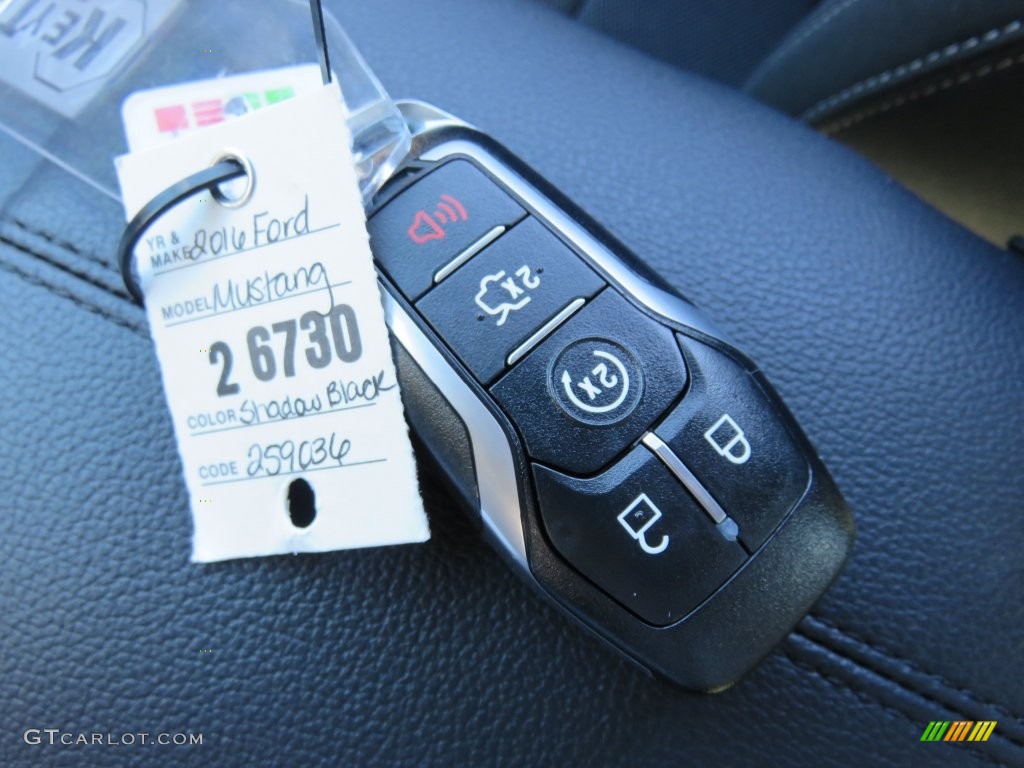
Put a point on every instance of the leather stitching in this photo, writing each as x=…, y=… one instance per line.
x=64, y=268
x=944, y=682
x=58, y=242
x=786, y=48
x=930, y=697
x=94, y=309
x=922, y=92
x=77, y=301
x=895, y=74
x=871, y=700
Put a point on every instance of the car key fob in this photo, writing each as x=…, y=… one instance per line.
x=626, y=458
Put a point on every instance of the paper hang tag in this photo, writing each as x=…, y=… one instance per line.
x=271, y=339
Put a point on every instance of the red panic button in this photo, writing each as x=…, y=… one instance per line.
x=435, y=220
x=427, y=226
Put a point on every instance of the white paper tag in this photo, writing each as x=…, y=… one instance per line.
x=270, y=334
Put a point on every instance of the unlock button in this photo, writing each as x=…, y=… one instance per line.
x=731, y=436
x=636, y=533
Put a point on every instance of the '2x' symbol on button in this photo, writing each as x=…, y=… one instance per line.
x=608, y=381
x=504, y=305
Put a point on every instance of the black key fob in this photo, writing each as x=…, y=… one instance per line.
x=627, y=459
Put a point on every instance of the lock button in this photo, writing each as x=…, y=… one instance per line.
x=731, y=436
x=638, y=535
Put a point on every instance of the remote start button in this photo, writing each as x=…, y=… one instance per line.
x=589, y=391
x=596, y=381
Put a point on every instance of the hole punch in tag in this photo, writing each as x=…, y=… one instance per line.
x=267, y=323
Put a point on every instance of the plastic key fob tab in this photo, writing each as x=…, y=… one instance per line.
x=628, y=461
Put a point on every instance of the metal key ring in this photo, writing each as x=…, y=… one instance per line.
x=208, y=178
